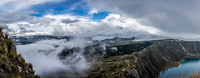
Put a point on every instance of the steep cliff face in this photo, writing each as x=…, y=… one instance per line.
x=148, y=62
x=12, y=65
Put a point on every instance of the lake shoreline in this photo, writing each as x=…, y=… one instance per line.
x=180, y=63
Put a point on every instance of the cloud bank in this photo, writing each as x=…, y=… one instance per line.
x=172, y=17
x=114, y=25
x=178, y=18
x=44, y=57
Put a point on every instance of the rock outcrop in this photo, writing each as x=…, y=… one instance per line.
x=12, y=65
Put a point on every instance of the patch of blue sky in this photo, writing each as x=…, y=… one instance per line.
x=36, y=14
x=99, y=16
x=80, y=8
x=73, y=7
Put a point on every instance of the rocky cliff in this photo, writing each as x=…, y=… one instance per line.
x=12, y=65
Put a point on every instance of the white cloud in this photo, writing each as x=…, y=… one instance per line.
x=15, y=5
x=92, y=11
x=178, y=18
x=113, y=25
x=13, y=17
x=3, y=2
x=59, y=18
x=44, y=57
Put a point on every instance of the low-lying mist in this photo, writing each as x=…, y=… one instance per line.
x=44, y=56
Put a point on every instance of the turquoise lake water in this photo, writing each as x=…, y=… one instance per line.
x=189, y=65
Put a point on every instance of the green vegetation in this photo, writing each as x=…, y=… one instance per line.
x=127, y=48
x=113, y=67
x=150, y=58
x=12, y=65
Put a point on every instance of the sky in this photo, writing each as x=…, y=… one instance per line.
x=101, y=18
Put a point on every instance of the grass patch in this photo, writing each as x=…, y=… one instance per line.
x=194, y=75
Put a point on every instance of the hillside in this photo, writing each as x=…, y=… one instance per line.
x=12, y=65
x=125, y=58
x=146, y=62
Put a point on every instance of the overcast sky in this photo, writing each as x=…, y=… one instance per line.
x=100, y=18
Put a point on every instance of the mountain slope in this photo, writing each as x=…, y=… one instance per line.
x=148, y=62
x=12, y=65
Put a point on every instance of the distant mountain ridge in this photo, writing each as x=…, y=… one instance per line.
x=21, y=40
